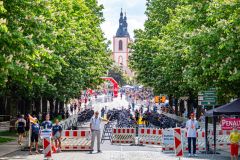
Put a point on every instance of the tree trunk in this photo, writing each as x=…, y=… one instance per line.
x=37, y=105
x=61, y=106
x=41, y=109
x=56, y=106
x=2, y=105
x=191, y=103
x=44, y=105
x=28, y=106
x=182, y=108
x=176, y=106
x=199, y=111
x=51, y=102
x=12, y=107
x=171, y=100
x=20, y=106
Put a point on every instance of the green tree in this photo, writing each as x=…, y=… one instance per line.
x=51, y=49
x=189, y=46
x=117, y=74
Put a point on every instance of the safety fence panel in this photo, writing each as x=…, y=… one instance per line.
x=150, y=136
x=168, y=140
x=76, y=140
x=168, y=143
x=222, y=139
x=123, y=135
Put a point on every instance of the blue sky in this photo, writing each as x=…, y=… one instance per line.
x=135, y=12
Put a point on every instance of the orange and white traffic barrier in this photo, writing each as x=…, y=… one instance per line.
x=123, y=135
x=150, y=136
x=76, y=140
x=178, y=142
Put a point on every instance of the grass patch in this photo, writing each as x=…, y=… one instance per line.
x=8, y=133
x=4, y=140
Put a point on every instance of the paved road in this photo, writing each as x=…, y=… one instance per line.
x=118, y=153
x=114, y=152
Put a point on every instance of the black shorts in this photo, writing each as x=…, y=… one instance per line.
x=20, y=130
x=34, y=137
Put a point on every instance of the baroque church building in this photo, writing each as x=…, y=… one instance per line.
x=121, y=41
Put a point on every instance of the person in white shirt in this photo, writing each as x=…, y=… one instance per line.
x=95, y=129
x=192, y=126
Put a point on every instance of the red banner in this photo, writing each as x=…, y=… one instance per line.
x=229, y=123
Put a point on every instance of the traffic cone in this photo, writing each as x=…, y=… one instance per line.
x=54, y=149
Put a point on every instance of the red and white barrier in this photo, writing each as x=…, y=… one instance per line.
x=200, y=134
x=47, y=150
x=76, y=148
x=123, y=135
x=222, y=140
x=76, y=140
x=47, y=146
x=221, y=132
x=200, y=146
x=178, y=142
x=150, y=136
x=75, y=133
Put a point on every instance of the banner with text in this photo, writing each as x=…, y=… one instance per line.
x=167, y=137
x=229, y=123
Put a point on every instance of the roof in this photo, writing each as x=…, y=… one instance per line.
x=232, y=108
x=123, y=26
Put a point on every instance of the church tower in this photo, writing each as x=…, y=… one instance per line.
x=120, y=45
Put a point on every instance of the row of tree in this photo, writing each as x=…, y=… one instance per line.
x=188, y=46
x=50, y=50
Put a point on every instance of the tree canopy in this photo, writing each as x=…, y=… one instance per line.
x=52, y=49
x=188, y=46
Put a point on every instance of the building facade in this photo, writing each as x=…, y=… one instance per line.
x=121, y=41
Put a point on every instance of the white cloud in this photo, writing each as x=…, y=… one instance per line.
x=135, y=12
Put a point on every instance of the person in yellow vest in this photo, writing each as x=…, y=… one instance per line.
x=234, y=140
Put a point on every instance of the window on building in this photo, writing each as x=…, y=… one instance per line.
x=120, y=45
x=120, y=60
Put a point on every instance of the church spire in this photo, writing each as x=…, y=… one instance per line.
x=121, y=14
x=122, y=29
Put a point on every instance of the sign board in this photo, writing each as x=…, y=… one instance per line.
x=167, y=137
x=229, y=123
x=46, y=133
x=207, y=98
